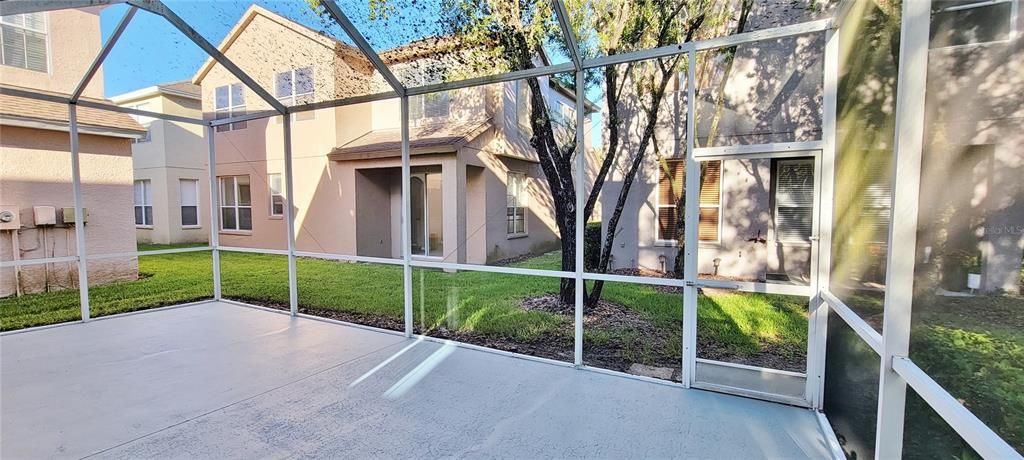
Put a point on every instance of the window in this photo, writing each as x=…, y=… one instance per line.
x=433, y=105
x=188, y=190
x=229, y=101
x=295, y=87
x=971, y=22
x=276, y=195
x=523, y=108
x=143, y=203
x=24, y=41
x=671, y=189
x=517, y=202
x=235, y=204
x=876, y=198
x=564, y=115
x=794, y=200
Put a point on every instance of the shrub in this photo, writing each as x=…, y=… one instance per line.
x=591, y=246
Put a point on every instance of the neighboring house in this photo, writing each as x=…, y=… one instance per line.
x=477, y=191
x=171, y=180
x=972, y=195
x=48, y=53
x=757, y=216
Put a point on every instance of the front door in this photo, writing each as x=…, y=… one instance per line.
x=756, y=259
x=426, y=215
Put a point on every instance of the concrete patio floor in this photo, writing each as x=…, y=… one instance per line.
x=218, y=380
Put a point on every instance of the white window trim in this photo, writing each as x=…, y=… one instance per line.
x=199, y=218
x=232, y=108
x=1010, y=36
x=147, y=191
x=671, y=243
x=526, y=207
x=775, y=208
x=271, y=194
x=238, y=221
x=49, y=46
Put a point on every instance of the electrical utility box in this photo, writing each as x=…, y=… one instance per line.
x=44, y=215
x=67, y=216
x=10, y=217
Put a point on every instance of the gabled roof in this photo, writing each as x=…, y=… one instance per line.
x=250, y=14
x=34, y=113
x=183, y=88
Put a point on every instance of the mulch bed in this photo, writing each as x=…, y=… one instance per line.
x=662, y=349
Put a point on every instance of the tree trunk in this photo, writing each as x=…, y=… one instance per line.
x=606, y=248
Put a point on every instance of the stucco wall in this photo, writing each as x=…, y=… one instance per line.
x=771, y=93
x=972, y=192
x=36, y=171
x=74, y=39
x=746, y=213
x=333, y=200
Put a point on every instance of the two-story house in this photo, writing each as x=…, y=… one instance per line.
x=478, y=194
x=171, y=188
x=49, y=52
x=757, y=216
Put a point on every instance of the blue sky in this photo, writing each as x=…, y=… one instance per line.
x=151, y=51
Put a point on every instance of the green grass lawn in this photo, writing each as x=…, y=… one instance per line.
x=974, y=348
x=466, y=302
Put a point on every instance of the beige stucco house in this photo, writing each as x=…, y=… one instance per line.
x=54, y=51
x=477, y=193
x=756, y=216
x=171, y=186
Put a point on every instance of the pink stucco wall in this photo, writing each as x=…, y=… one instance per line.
x=36, y=171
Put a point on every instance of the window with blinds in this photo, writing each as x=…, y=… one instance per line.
x=794, y=200
x=23, y=38
x=188, y=190
x=671, y=185
x=876, y=198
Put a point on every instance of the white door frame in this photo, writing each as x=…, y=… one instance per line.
x=422, y=176
x=694, y=283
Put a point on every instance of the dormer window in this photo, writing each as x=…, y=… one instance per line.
x=24, y=41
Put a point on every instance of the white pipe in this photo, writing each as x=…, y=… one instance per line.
x=214, y=219
x=16, y=250
x=406, y=222
x=581, y=179
x=76, y=183
x=293, y=288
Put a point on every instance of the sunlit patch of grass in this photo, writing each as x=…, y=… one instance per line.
x=164, y=280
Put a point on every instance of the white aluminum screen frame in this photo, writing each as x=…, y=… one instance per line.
x=897, y=369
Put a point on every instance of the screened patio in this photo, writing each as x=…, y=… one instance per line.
x=381, y=229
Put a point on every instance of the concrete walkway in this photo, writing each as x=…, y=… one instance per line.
x=223, y=381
